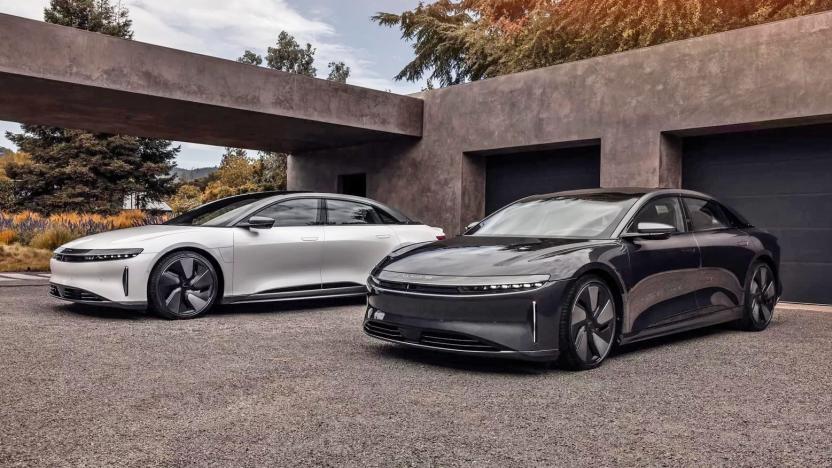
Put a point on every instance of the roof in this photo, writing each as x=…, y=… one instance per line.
x=624, y=192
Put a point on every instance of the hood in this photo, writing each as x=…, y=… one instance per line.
x=485, y=256
x=127, y=238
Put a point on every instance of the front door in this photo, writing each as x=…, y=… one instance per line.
x=664, y=272
x=286, y=257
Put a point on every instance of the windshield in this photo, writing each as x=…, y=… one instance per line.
x=218, y=213
x=582, y=216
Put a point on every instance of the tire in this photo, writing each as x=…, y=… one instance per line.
x=588, y=324
x=183, y=285
x=760, y=298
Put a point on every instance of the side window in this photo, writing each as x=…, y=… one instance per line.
x=665, y=210
x=386, y=218
x=706, y=215
x=341, y=212
x=300, y=212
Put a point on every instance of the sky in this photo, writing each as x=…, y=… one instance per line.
x=340, y=30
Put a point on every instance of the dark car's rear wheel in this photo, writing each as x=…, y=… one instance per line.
x=183, y=285
x=760, y=298
x=588, y=324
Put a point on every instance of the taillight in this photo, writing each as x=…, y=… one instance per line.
x=440, y=237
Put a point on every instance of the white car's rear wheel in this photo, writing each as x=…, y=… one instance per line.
x=183, y=285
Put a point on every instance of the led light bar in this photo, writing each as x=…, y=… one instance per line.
x=497, y=288
x=94, y=255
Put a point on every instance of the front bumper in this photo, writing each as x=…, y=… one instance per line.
x=81, y=296
x=519, y=325
x=116, y=283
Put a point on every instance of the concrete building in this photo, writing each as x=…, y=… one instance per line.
x=745, y=115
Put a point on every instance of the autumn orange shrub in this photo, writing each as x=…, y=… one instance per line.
x=24, y=216
x=128, y=219
x=7, y=236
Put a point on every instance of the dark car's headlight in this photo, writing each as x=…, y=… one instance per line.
x=94, y=255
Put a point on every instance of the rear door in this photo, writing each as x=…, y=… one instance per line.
x=664, y=273
x=356, y=239
x=726, y=254
x=284, y=258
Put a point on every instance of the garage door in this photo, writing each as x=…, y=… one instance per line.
x=510, y=177
x=781, y=180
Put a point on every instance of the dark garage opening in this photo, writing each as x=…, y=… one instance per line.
x=353, y=184
x=781, y=180
x=510, y=177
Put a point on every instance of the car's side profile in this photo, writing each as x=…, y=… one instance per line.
x=569, y=275
x=249, y=248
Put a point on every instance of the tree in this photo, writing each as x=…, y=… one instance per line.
x=7, y=193
x=236, y=175
x=290, y=57
x=339, y=72
x=90, y=15
x=82, y=171
x=186, y=198
x=463, y=40
x=250, y=58
x=72, y=170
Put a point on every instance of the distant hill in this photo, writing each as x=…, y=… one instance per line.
x=189, y=175
x=4, y=151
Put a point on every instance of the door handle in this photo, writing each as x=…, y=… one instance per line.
x=383, y=236
x=743, y=243
x=309, y=239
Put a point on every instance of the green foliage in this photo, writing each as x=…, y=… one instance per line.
x=90, y=15
x=339, y=72
x=250, y=58
x=270, y=171
x=73, y=170
x=290, y=57
x=463, y=40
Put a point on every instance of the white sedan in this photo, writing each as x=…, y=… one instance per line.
x=257, y=247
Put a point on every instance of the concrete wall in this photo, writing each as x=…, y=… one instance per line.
x=55, y=75
x=637, y=103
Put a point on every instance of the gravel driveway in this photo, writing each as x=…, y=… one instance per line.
x=301, y=385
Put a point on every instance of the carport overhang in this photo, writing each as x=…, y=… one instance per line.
x=60, y=76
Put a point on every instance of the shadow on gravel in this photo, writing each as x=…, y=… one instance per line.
x=670, y=340
x=460, y=362
x=110, y=313
x=515, y=367
x=300, y=306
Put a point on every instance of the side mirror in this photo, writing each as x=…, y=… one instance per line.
x=471, y=226
x=259, y=222
x=651, y=231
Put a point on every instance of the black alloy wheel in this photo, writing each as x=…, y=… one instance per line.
x=760, y=298
x=183, y=285
x=588, y=324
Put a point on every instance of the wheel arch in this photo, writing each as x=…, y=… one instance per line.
x=768, y=259
x=202, y=251
x=614, y=281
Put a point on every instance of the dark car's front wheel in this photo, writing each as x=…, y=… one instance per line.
x=183, y=285
x=760, y=298
x=588, y=324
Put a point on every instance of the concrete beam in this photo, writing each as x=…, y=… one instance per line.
x=55, y=75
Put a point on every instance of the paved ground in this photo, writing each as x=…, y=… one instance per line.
x=303, y=386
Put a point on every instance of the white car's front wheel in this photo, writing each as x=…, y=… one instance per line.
x=183, y=285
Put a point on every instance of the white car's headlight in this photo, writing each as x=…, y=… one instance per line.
x=94, y=255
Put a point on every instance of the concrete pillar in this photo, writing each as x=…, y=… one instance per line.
x=635, y=157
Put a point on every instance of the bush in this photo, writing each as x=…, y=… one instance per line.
x=20, y=258
x=53, y=238
x=7, y=236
